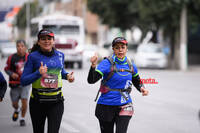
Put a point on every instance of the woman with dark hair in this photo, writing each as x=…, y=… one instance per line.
x=45, y=71
x=118, y=73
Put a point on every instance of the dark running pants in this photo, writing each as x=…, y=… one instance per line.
x=108, y=116
x=39, y=112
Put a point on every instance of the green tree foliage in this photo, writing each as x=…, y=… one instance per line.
x=163, y=14
x=115, y=13
x=194, y=15
x=160, y=13
x=21, y=16
x=166, y=14
x=147, y=14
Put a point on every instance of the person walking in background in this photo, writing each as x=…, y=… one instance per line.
x=3, y=87
x=45, y=71
x=114, y=106
x=14, y=68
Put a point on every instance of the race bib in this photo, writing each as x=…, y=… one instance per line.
x=126, y=110
x=49, y=81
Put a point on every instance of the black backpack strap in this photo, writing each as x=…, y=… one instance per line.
x=113, y=69
x=130, y=70
x=97, y=95
x=130, y=65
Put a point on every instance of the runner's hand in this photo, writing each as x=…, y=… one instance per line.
x=15, y=76
x=70, y=77
x=43, y=69
x=94, y=60
x=144, y=91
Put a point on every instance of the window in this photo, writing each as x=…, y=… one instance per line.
x=63, y=29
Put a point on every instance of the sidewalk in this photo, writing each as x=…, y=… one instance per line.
x=194, y=68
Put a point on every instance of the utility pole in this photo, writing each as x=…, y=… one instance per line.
x=183, y=39
x=28, y=23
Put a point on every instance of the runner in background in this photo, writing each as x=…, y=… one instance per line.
x=14, y=69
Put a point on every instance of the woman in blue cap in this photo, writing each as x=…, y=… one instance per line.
x=45, y=71
x=114, y=106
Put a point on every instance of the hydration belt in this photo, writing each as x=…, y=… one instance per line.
x=45, y=95
x=104, y=89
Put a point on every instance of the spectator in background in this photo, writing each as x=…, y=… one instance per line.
x=14, y=69
x=3, y=86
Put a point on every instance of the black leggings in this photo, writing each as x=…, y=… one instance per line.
x=121, y=125
x=40, y=111
x=108, y=116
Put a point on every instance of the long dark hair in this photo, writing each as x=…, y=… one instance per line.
x=46, y=32
x=35, y=47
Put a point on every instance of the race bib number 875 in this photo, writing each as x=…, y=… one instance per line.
x=49, y=81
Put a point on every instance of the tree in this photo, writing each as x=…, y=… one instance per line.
x=115, y=13
x=21, y=16
x=175, y=17
x=148, y=15
x=166, y=15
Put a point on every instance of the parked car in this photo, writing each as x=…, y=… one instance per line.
x=151, y=55
x=107, y=45
x=132, y=48
x=3, y=43
x=102, y=52
x=90, y=49
x=7, y=49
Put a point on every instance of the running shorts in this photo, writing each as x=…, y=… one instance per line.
x=20, y=92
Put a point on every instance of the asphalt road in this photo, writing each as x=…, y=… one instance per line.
x=172, y=106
